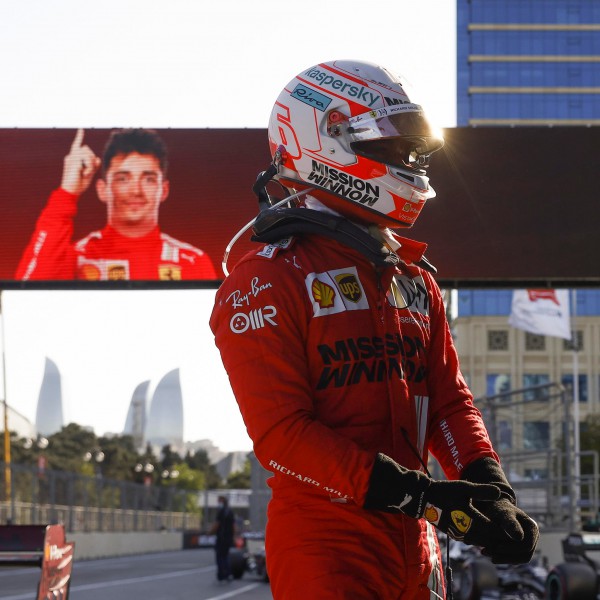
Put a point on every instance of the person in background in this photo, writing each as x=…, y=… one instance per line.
x=334, y=336
x=133, y=184
x=223, y=529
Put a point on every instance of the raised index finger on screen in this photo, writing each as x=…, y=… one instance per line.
x=78, y=139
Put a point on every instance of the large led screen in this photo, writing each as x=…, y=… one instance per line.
x=515, y=207
x=162, y=207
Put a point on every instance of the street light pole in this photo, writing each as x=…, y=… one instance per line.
x=96, y=458
x=7, y=461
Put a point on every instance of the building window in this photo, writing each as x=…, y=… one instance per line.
x=534, y=342
x=576, y=341
x=567, y=381
x=537, y=474
x=504, y=436
x=497, y=339
x=497, y=383
x=536, y=435
x=534, y=387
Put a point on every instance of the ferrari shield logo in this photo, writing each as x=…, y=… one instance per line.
x=461, y=520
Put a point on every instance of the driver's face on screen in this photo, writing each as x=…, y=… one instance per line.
x=133, y=191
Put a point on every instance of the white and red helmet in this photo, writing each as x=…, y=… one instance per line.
x=352, y=136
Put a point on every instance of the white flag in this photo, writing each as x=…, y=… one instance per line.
x=543, y=312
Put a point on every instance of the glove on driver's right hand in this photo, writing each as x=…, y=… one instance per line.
x=511, y=536
x=446, y=504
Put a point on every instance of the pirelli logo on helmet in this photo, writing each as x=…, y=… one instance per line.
x=345, y=185
x=335, y=291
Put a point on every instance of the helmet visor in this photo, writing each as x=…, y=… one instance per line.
x=398, y=135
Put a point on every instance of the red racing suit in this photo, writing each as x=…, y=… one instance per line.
x=331, y=361
x=105, y=254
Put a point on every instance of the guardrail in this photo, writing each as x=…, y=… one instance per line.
x=88, y=519
x=85, y=504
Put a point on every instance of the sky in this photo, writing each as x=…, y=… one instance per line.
x=179, y=64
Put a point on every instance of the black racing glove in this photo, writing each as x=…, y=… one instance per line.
x=510, y=536
x=449, y=505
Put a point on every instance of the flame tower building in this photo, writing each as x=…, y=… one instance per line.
x=165, y=417
x=135, y=422
x=49, y=413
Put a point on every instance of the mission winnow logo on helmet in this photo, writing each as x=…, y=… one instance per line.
x=343, y=184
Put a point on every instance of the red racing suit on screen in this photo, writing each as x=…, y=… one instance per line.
x=333, y=360
x=104, y=254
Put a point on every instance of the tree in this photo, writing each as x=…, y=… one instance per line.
x=169, y=458
x=188, y=478
x=201, y=462
x=22, y=450
x=240, y=480
x=120, y=457
x=67, y=448
x=145, y=466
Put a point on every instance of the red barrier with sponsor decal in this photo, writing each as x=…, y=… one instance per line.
x=43, y=546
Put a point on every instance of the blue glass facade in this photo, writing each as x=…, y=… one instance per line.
x=529, y=62
x=489, y=303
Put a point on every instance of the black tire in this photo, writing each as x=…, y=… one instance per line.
x=478, y=575
x=237, y=563
x=571, y=581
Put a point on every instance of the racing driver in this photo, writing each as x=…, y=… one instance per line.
x=131, y=245
x=335, y=340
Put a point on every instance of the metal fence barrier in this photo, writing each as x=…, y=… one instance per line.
x=554, y=483
x=85, y=504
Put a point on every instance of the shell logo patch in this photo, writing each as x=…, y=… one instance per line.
x=432, y=514
x=322, y=293
x=89, y=272
x=169, y=272
x=102, y=269
x=461, y=520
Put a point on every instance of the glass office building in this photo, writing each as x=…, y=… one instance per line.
x=528, y=62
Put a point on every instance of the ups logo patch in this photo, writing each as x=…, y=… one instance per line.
x=169, y=272
x=348, y=285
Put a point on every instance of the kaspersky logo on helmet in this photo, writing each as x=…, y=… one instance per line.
x=343, y=87
x=342, y=184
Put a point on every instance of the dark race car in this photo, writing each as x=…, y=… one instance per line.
x=578, y=578
x=475, y=577
x=248, y=556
